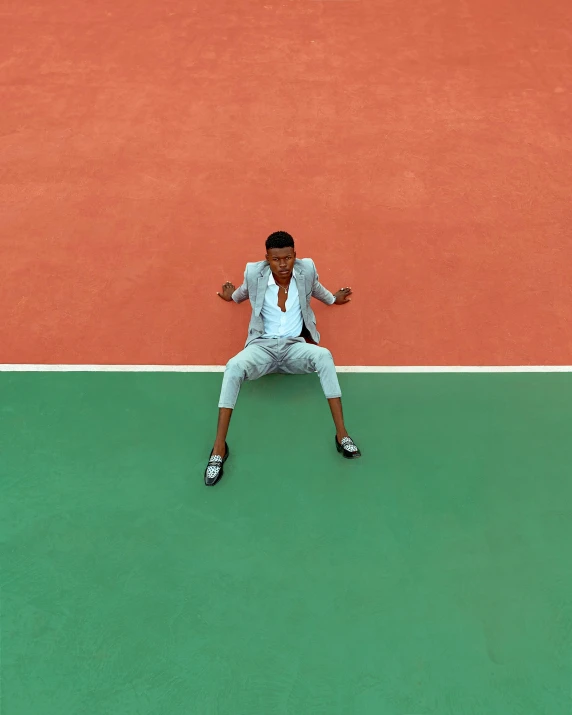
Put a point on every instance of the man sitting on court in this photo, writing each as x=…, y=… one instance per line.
x=280, y=289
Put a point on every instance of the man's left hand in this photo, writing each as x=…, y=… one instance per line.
x=343, y=296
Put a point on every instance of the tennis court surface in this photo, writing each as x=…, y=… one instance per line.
x=421, y=153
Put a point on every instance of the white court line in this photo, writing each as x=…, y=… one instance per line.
x=23, y=367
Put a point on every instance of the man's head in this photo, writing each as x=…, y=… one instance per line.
x=280, y=254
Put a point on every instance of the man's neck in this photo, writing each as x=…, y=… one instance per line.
x=284, y=282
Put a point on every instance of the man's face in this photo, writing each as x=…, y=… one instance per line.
x=281, y=262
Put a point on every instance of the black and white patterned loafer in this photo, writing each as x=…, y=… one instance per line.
x=348, y=448
x=214, y=470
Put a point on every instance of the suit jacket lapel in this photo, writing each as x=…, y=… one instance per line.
x=261, y=288
x=299, y=276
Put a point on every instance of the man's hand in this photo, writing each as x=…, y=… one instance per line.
x=227, y=291
x=343, y=296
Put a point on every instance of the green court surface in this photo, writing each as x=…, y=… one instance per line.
x=431, y=577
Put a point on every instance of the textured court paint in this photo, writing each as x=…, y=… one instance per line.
x=420, y=151
x=432, y=577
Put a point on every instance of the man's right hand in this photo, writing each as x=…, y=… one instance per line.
x=227, y=291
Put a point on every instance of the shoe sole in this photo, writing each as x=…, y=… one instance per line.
x=352, y=456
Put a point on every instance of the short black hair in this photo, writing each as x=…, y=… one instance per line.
x=279, y=239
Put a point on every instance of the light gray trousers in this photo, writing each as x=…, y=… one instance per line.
x=292, y=356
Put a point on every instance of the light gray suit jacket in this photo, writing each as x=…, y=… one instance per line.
x=254, y=287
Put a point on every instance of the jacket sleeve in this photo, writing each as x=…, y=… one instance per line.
x=241, y=293
x=318, y=290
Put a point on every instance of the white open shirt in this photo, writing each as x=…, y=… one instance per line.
x=276, y=323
